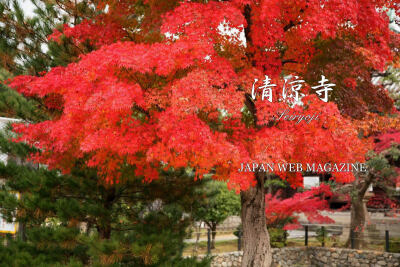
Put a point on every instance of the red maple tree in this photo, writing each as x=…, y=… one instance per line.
x=166, y=88
x=285, y=212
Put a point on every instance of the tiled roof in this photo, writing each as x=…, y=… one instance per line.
x=389, y=84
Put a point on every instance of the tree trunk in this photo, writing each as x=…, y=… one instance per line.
x=196, y=244
x=213, y=234
x=255, y=239
x=104, y=223
x=359, y=211
x=105, y=232
x=256, y=246
x=357, y=224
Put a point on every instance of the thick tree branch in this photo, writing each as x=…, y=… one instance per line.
x=247, y=30
x=367, y=182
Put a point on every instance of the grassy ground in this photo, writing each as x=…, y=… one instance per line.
x=312, y=242
x=231, y=245
x=203, y=233
x=220, y=247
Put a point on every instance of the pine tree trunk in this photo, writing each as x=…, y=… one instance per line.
x=104, y=225
x=213, y=234
x=256, y=246
x=105, y=232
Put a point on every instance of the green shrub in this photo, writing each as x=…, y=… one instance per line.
x=394, y=245
x=278, y=237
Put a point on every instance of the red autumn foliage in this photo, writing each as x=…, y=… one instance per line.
x=176, y=92
x=285, y=212
x=382, y=201
x=386, y=140
x=96, y=34
x=374, y=125
x=349, y=65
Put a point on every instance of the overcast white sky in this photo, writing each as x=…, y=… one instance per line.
x=27, y=6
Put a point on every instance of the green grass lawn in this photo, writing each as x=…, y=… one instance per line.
x=231, y=245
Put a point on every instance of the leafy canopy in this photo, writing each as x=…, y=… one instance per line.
x=164, y=87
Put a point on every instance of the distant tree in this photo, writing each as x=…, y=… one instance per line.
x=217, y=205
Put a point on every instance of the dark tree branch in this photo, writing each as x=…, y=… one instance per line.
x=288, y=61
x=290, y=25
